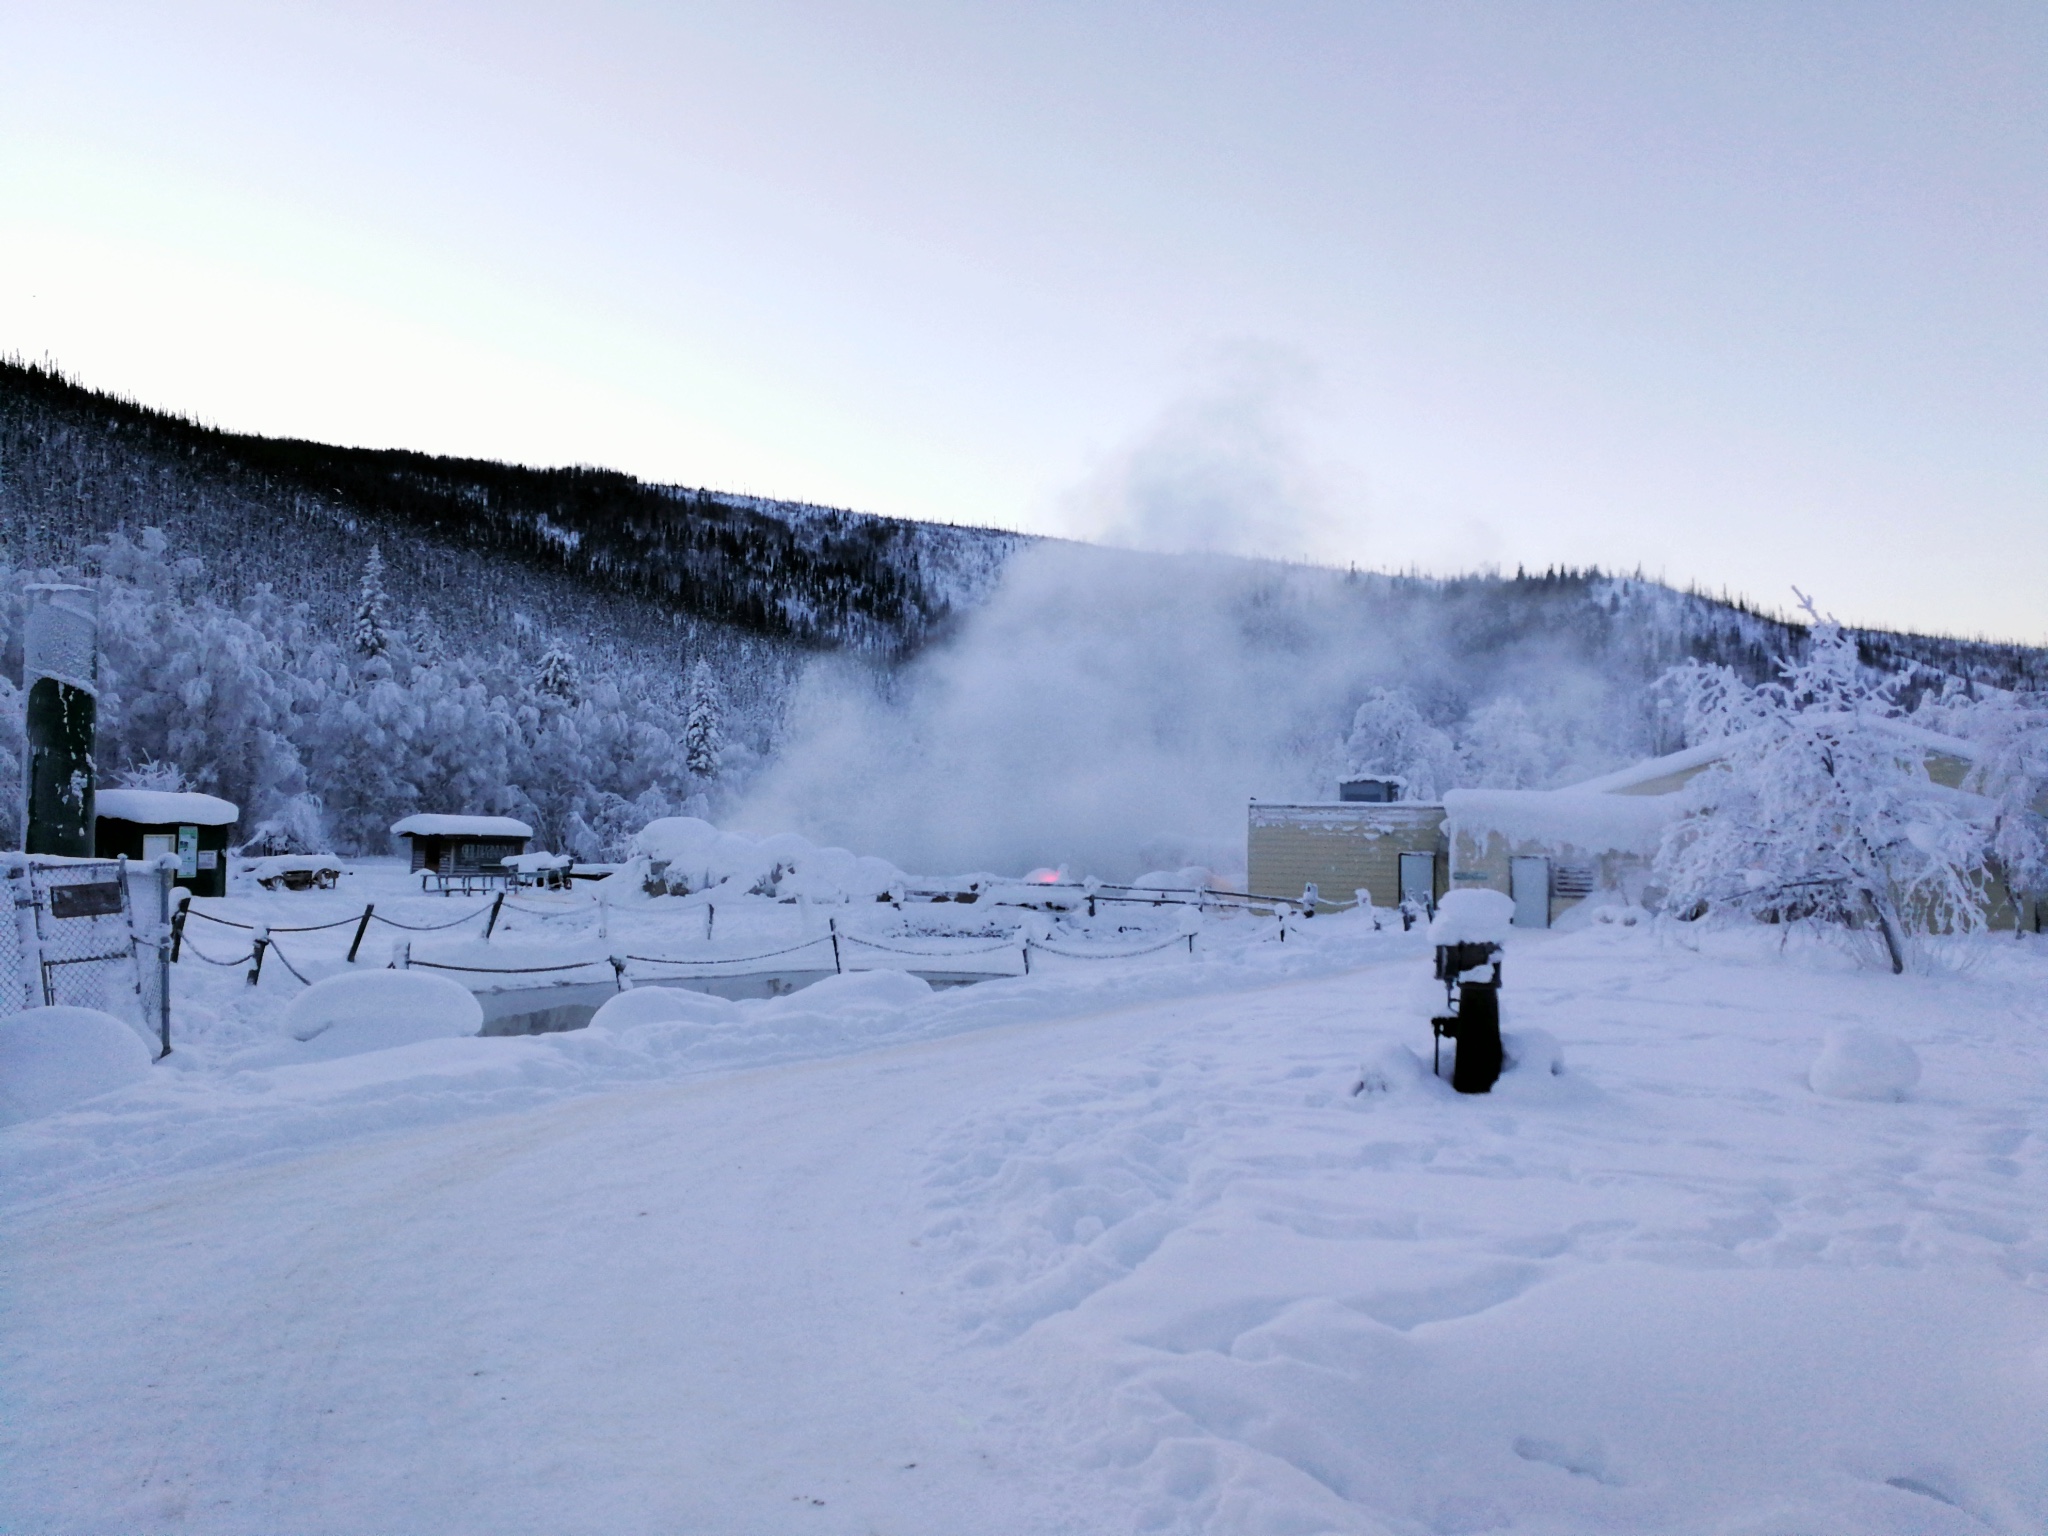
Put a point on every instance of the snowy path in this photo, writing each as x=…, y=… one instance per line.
x=685, y=1309
x=1150, y=1268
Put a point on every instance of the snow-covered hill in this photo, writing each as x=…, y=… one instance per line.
x=942, y=696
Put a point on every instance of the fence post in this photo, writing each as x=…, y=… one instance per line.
x=618, y=971
x=184, y=901
x=362, y=928
x=710, y=920
x=163, y=958
x=832, y=923
x=401, y=954
x=260, y=942
x=491, y=922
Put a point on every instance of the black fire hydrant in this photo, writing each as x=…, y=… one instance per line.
x=1474, y=1017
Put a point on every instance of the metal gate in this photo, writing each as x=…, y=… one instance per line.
x=75, y=940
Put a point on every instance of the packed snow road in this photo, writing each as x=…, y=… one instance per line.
x=1226, y=1262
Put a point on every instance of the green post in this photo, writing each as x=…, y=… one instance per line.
x=60, y=676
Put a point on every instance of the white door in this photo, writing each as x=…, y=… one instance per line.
x=1418, y=878
x=1529, y=884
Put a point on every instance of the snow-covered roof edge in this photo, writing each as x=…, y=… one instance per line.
x=427, y=824
x=1651, y=769
x=1592, y=823
x=166, y=807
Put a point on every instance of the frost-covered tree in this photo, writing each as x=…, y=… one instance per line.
x=1503, y=748
x=556, y=676
x=1818, y=812
x=2010, y=735
x=370, y=632
x=704, y=729
x=1390, y=740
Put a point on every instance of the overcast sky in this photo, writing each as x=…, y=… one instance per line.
x=1747, y=295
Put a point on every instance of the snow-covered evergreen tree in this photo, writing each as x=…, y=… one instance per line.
x=556, y=676
x=1390, y=740
x=1818, y=812
x=371, y=631
x=704, y=730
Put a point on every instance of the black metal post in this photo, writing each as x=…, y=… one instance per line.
x=362, y=928
x=491, y=922
x=261, y=943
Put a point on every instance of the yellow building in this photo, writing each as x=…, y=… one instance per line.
x=1549, y=849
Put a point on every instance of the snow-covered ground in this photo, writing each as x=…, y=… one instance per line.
x=1177, y=1244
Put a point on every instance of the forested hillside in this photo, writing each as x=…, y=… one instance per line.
x=335, y=637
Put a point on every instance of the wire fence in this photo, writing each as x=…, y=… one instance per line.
x=86, y=933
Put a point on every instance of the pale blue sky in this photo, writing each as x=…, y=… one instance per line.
x=1748, y=295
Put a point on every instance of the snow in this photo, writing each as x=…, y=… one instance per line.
x=1857, y=1062
x=1181, y=1244
x=535, y=863
x=52, y=1058
x=1591, y=823
x=166, y=807
x=693, y=855
x=1472, y=917
x=426, y=825
x=374, y=1010
x=276, y=864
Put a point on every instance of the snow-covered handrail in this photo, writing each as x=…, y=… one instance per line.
x=1122, y=954
x=734, y=959
x=501, y=970
x=929, y=954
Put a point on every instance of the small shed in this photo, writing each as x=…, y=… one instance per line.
x=462, y=852
x=146, y=823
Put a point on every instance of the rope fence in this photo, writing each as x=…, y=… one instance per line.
x=1023, y=943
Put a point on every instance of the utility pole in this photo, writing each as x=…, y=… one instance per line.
x=60, y=679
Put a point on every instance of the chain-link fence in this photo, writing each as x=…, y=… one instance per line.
x=85, y=934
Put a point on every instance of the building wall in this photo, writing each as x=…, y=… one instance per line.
x=1342, y=847
x=1483, y=863
x=113, y=837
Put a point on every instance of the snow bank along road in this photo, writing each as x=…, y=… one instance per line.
x=1154, y=1267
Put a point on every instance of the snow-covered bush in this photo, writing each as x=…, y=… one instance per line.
x=51, y=1058
x=1818, y=812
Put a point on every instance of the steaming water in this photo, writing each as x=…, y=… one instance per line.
x=1113, y=711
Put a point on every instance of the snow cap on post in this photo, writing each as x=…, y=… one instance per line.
x=1472, y=917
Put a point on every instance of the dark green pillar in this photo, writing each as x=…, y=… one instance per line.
x=60, y=677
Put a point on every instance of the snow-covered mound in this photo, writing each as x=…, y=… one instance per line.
x=685, y=855
x=1857, y=1062
x=374, y=1010
x=51, y=1058
x=663, y=1005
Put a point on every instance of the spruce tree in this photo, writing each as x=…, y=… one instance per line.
x=703, y=734
x=371, y=633
x=556, y=676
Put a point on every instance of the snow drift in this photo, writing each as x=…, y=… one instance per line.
x=52, y=1058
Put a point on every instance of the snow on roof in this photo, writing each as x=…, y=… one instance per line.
x=1648, y=771
x=460, y=826
x=166, y=807
x=1592, y=823
x=1651, y=769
